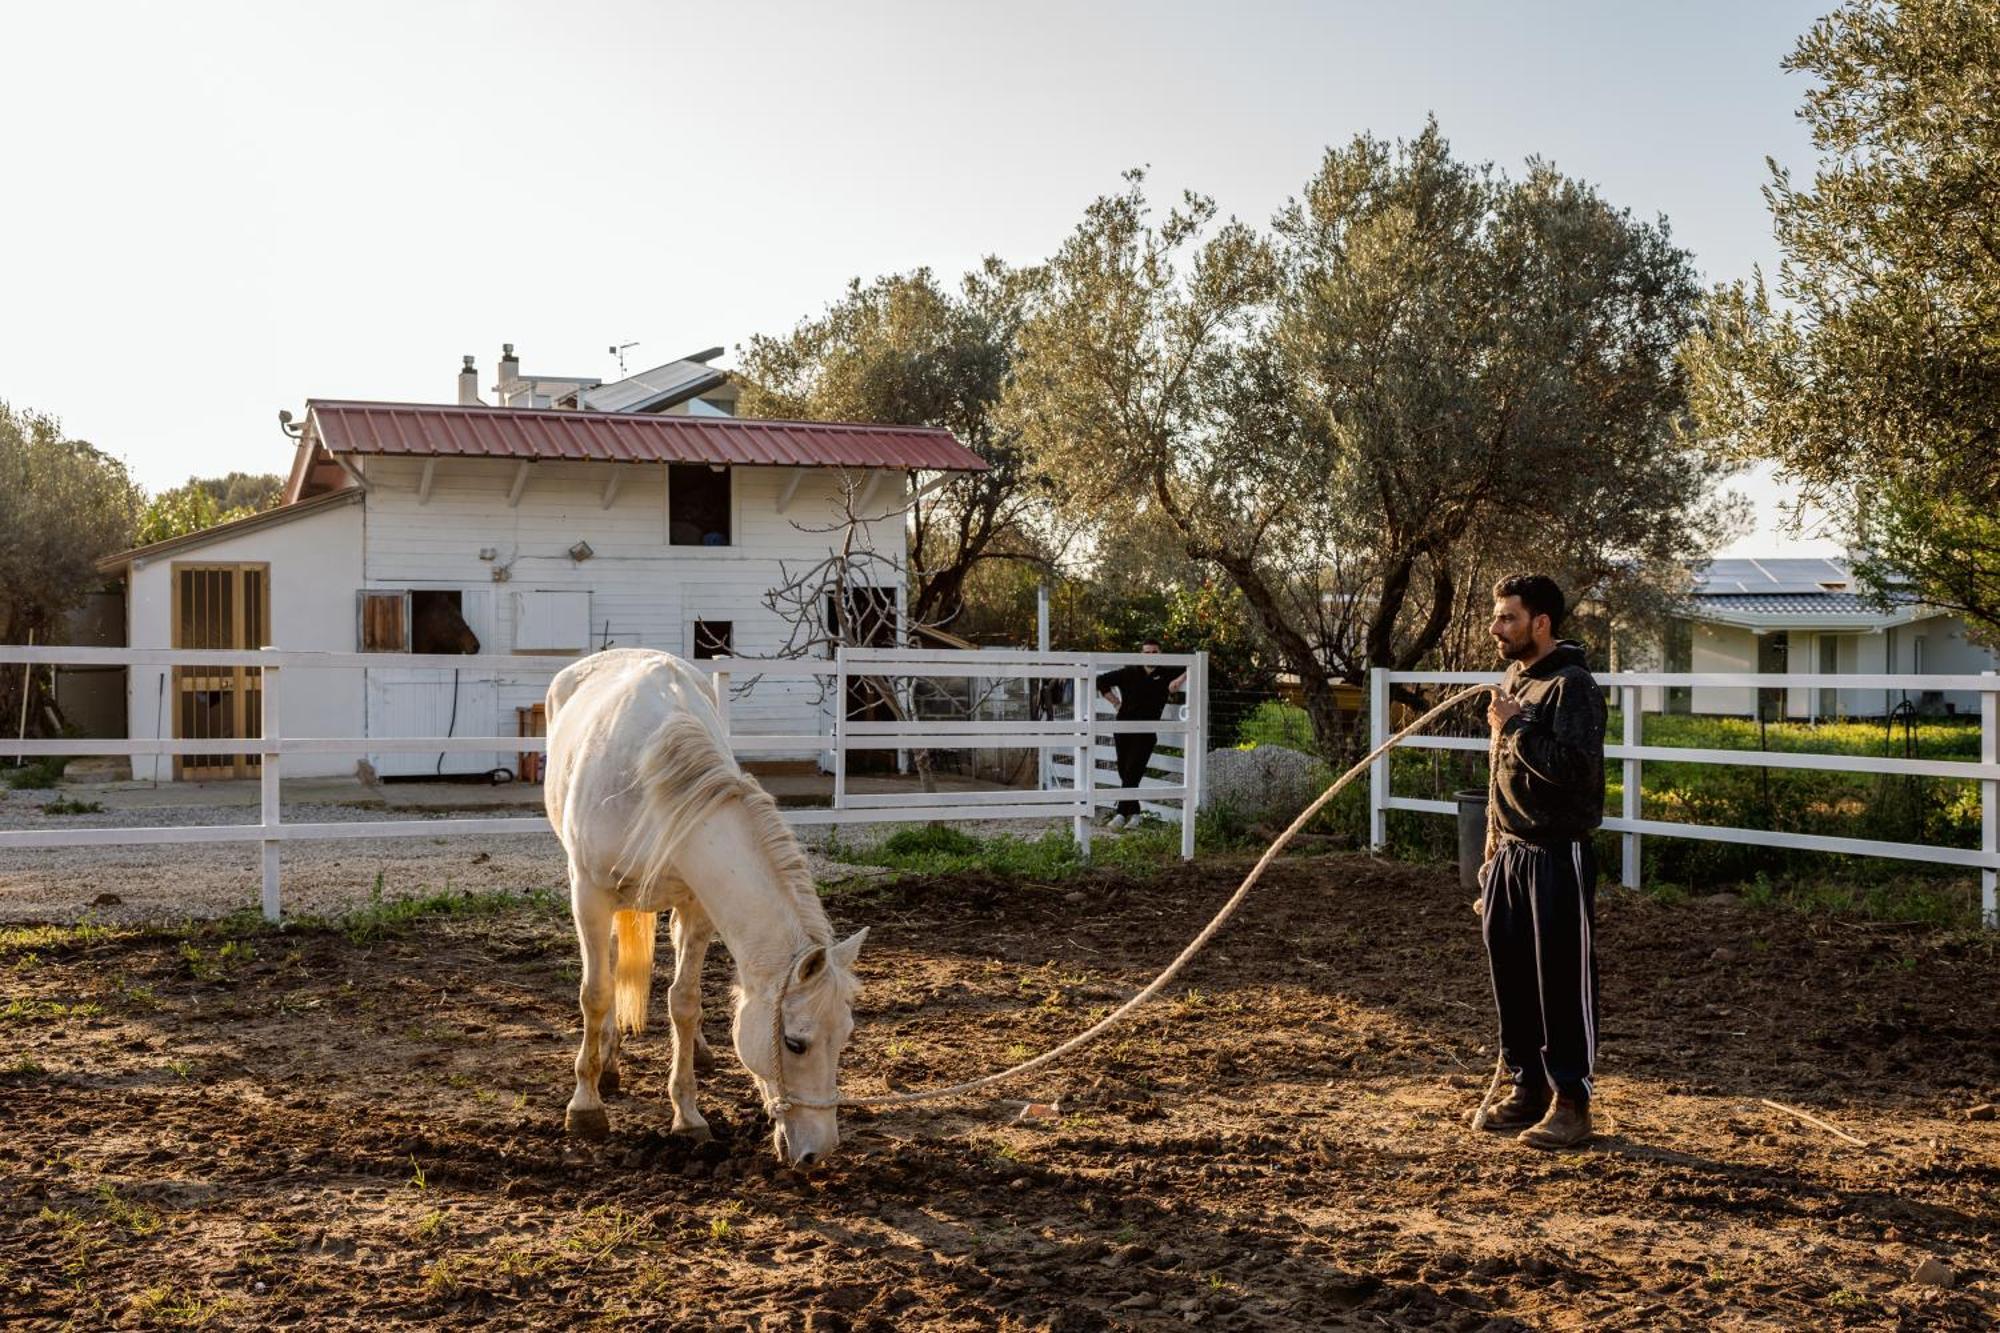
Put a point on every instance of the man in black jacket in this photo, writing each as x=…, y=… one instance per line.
x=1139, y=693
x=1539, y=883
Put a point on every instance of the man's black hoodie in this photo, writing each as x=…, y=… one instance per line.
x=1548, y=761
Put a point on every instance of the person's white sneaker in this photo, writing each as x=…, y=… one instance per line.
x=1117, y=821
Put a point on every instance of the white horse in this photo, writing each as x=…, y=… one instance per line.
x=656, y=816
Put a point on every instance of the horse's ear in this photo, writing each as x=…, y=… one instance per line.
x=810, y=966
x=845, y=952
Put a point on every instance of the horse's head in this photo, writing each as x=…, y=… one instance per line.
x=797, y=1063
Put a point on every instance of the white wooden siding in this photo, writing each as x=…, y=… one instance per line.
x=642, y=592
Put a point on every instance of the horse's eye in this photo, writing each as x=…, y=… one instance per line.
x=795, y=1046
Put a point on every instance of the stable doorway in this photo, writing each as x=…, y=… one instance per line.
x=221, y=607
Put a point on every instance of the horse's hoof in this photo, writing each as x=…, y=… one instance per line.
x=698, y=1132
x=591, y=1123
x=704, y=1060
x=607, y=1082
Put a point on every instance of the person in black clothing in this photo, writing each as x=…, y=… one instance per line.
x=1139, y=693
x=1538, y=887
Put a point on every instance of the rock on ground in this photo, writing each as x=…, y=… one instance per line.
x=1269, y=781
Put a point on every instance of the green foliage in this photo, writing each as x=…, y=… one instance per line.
x=904, y=350
x=41, y=774
x=940, y=849
x=1347, y=417
x=206, y=501
x=251, y=491
x=388, y=918
x=68, y=807
x=63, y=506
x=1275, y=722
x=1873, y=376
x=180, y=511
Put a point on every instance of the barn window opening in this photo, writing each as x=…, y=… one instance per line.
x=437, y=622
x=697, y=505
x=714, y=638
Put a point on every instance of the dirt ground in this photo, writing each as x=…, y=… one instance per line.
x=329, y=1129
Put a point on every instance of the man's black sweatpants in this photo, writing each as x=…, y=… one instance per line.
x=1539, y=908
x=1135, y=751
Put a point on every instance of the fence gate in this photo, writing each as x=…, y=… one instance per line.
x=1069, y=729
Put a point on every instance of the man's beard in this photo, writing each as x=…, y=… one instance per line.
x=1515, y=651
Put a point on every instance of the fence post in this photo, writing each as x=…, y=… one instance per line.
x=1378, y=772
x=268, y=773
x=1086, y=761
x=840, y=727
x=1989, y=804
x=1045, y=760
x=1634, y=733
x=1194, y=751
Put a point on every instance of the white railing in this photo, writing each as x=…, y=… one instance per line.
x=1063, y=742
x=1632, y=753
x=843, y=737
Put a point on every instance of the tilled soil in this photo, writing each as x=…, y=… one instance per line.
x=320, y=1129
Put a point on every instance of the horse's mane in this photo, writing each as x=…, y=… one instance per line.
x=686, y=776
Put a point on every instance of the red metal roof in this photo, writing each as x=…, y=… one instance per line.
x=429, y=430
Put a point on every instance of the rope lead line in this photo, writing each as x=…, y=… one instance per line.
x=1158, y=983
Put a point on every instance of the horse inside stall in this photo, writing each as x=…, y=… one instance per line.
x=656, y=815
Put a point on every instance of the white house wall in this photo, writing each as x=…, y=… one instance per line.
x=642, y=592
x=315, y=567
x=1893, y=651
x=1723, y=648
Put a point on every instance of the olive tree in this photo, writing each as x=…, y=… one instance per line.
x=1425, y=374
x=1871, y=375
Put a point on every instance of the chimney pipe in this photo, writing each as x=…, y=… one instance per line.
x=468, y=385
x=510, y=370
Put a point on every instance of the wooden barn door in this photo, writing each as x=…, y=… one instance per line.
x=219, y=606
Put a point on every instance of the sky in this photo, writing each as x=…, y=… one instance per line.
x=217, y=211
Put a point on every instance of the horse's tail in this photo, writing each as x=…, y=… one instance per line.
x=633, y=976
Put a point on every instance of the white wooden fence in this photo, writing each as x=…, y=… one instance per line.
x=1075, y=733
x=1632, y=754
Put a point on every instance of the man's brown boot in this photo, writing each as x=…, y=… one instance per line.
x=1566, y=1125
x=1521, y=1108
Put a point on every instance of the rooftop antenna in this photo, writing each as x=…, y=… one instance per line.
x=618, y=350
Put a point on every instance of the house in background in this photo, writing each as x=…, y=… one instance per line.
x=557, y=528
x=1808, y=616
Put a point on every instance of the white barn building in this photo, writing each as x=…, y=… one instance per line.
x=545, y=529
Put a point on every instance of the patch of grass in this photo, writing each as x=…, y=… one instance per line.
x=930, y=840
x=71, y=807
x=38, y=776
x=444, y=1277
x=128, y=1215
x=431, y=1227
x=24, y=1010
x=603, y=1230
x=21, y=939
x=73, y=1237
x=392, y=918
x=27, y=1066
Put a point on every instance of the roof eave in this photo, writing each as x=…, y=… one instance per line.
x=140, y=555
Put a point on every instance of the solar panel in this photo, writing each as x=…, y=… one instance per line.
x=1790, y=575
